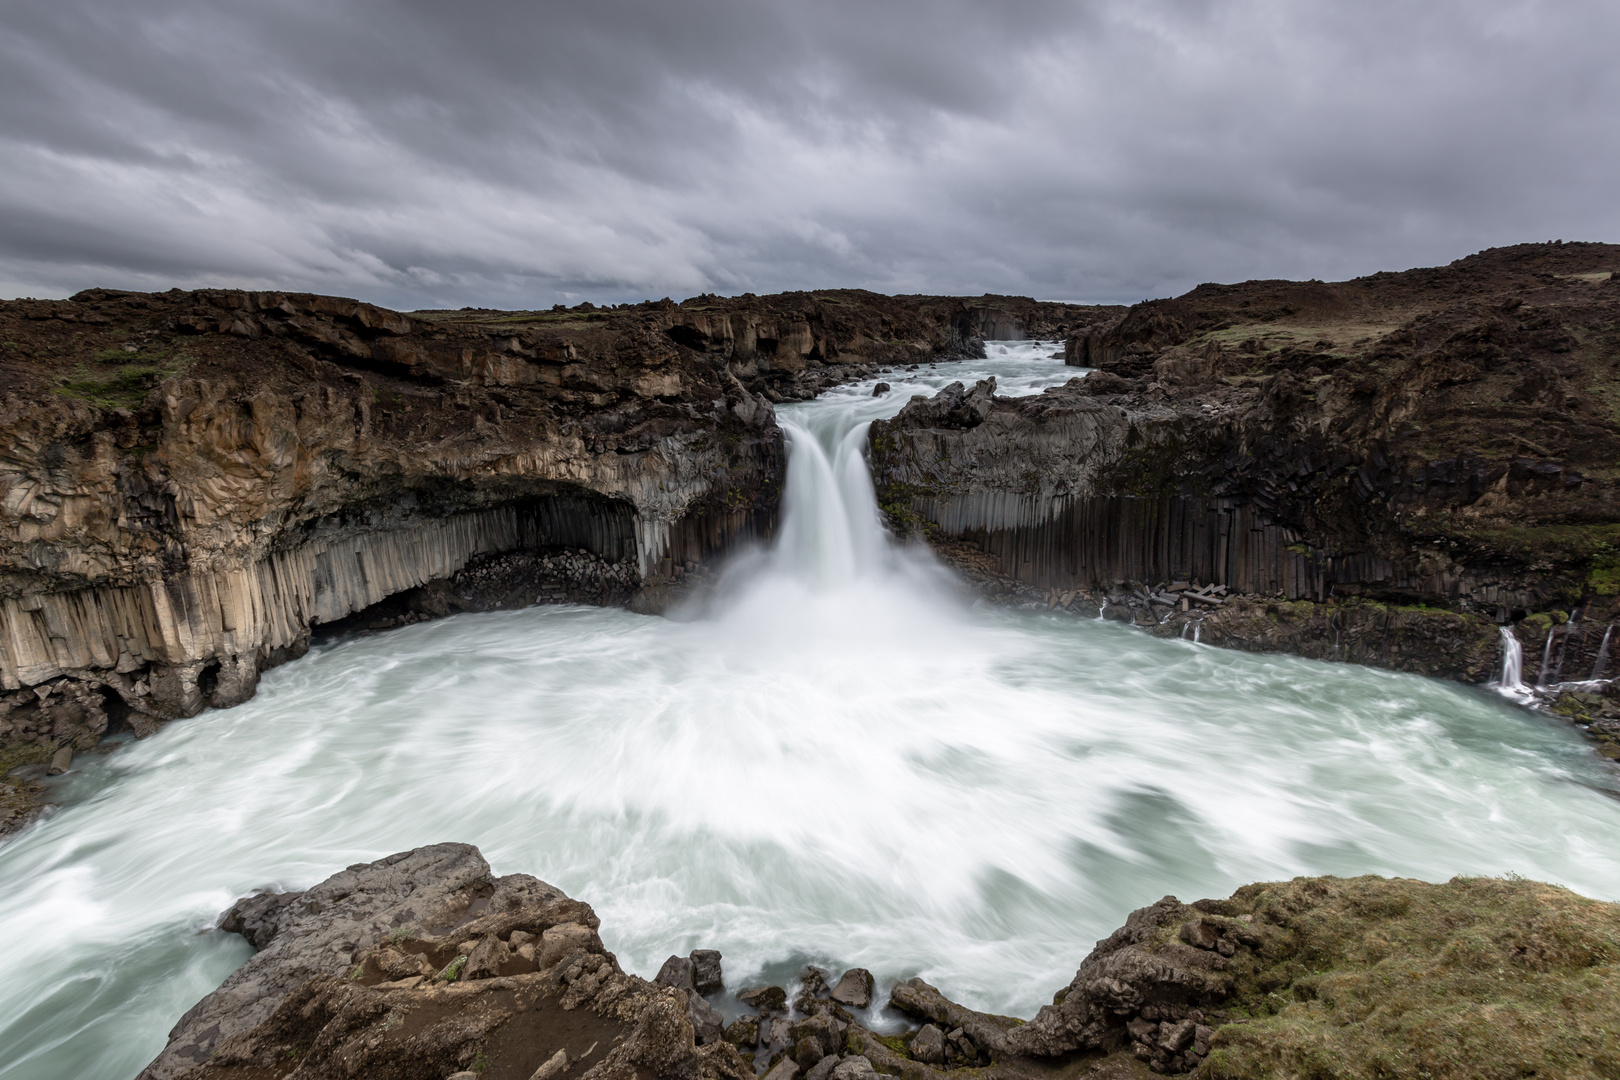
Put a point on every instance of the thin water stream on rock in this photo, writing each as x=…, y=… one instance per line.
x=837, y=758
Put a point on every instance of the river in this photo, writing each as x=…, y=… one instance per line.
x=838, y=758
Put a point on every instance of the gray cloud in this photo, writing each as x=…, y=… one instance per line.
x=517, y=154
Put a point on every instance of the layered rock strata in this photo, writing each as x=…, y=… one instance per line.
x=191, y=482
x=425, y=965
x=1386, y=468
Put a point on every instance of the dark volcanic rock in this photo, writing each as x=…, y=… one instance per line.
x=707, y=975
x=370, y=973
x=321, y=931
x=854, y=989
x=1384, y=469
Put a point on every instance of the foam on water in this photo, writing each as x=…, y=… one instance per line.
x=838, y=759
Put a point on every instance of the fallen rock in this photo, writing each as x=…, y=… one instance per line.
x=580, y=1015
x=764, y=998
x=823, y=1069
x=853, y=1068
x=1131, y=969
x=928, y=1045
x=60, y=761
x=854, y=988
x=676, y=972
x=706, y=973
x=322, y=930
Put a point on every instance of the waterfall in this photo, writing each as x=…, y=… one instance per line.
x=1546, y=659
x=1198, y=628
x=1601, y=664
x=830, y=529
x=1512, y=663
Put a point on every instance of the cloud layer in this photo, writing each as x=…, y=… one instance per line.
x=501, y=153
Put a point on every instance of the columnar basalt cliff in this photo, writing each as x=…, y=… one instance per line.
x=1385, y=468
x=189, y=482
x=425, y=965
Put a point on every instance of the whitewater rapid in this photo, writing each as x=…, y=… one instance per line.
x=839, y=758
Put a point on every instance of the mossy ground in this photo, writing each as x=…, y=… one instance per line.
x=1378, y=978
x=119, y=379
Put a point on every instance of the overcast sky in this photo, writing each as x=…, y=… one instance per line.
x=512, y=154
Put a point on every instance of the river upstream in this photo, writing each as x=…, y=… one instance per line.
x=839, y=758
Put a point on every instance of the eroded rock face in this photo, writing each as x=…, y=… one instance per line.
x=424, y=964
x=1431, y=446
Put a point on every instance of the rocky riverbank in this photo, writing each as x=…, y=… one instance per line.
x=191, y=483
x=1383, y=470
x=425, y=965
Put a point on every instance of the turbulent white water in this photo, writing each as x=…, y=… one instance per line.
x=839, y=760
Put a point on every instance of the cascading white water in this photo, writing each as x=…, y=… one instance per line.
x=1601, y=664
x=1546, y=661
x=1512, y=679
x=840, y=759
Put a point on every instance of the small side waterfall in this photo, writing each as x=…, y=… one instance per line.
x=1546, y=659
x=1601, y=664
x=1512, y=663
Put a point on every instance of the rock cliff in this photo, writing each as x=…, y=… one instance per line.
x=189, y=482
x=424, y=965
x=1385, y=469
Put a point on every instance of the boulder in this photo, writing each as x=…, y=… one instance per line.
x=854, y=989
x=764, y=998
x=322, y=931
x=1127, y=973
x=928, y=1045
x=707, y=1023
x=677, y=972
x=823, y=1069
x=706, y=973
x=854, y=1068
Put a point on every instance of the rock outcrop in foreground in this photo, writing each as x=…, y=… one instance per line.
x=424, y=966
x=1380, y=470
x=191, y=481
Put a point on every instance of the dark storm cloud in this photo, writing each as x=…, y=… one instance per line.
x=422, y=153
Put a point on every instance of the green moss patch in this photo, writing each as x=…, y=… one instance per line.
x=120, y=380
x=1477, y=978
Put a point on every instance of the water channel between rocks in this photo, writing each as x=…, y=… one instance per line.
x=839, y=759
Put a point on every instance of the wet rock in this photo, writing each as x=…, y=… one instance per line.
x=60, y=761
x=880, y=389
x=764, y=998
x=706, y=973
x=707, y=1023
x=918, y=999
x=854, y=988
x=786, y=1069
x=677, y=972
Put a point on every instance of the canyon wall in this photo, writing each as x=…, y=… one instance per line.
x=1437, y=446
x=191, y=482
